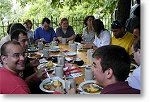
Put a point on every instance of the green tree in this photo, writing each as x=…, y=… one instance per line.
x=76, y=9
x=5, y=8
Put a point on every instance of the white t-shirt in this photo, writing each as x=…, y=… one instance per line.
x=4, y=39
x=105, y=39
x=134, y=79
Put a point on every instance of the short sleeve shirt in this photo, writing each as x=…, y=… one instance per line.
x=69, y=32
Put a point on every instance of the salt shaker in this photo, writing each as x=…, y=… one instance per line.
x=59, y=71
x=72, y=83
x=61, y=60
x=88, y=74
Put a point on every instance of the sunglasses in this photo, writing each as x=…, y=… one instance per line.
x=116, y=25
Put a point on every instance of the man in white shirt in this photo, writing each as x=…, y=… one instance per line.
x=134, y=79
x=7, y=37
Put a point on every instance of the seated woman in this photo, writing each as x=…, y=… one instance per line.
x=65, y=30
x=88, y=32
x=102, y=36
x=28, y=25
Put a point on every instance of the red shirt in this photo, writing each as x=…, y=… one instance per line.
x=11, y=83
x=119, y=88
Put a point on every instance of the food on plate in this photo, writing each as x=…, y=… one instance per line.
x=52, y=86
x=71, y=53
x=34, y=55
x=82, y=50
x=49, y=64
x=54, y=49
x=57, y=83
x=91, y=88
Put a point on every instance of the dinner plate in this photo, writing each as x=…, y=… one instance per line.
x=35, y=55
x=89, y=84
x=32, y=49
x=47, y=80
x=82, y=50
x=54, y=49
x=71, y=53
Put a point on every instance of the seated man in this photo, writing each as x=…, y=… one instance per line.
x=7, y=37
x=22, y=38
x=65, y=31
x=29, y=73
x=120, y=37
x=45, y=32
x=11, y=28
x=111, y=66
x=136, y=33
x=134, y=79
x=12, y=56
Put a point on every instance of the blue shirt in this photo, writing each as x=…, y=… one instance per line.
x=42, y=33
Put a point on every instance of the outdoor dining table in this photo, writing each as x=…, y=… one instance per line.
x=79, y=54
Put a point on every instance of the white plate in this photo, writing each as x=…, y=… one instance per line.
x=71, y=53
x=87, y=82
x=68, y=59
x=54, y=48
x=35, y=55
x=48, y=80
x=78, y=59
x=32, y=49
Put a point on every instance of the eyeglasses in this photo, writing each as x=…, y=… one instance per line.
x=17, y=55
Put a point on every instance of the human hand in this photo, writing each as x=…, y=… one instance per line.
x=41, y=73
x=87, y=45
x=43, y=40
x=34, y=63
x=71, y=91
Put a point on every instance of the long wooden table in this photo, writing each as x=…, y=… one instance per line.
x=80, y=54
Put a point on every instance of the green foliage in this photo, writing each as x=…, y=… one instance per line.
x=5, y=8
x=74, y=10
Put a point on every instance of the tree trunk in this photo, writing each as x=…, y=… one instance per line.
x=123, y=11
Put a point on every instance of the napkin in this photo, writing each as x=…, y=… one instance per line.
x=74, y=72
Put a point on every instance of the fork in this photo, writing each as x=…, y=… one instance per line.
x=51, y=81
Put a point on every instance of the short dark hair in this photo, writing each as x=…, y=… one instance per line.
x=86, y=18
x=28, y=21
x=136, y=45
x=8, y=28
x=46, y=20
x=116, y=58
x=3, y=48
x=138, y=1
x=116, y=24
x=15, y=34
x=63, y=19
x=137, y=27
x=16, y=26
